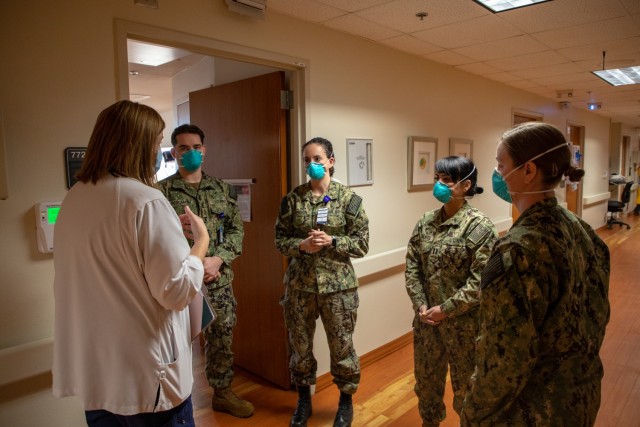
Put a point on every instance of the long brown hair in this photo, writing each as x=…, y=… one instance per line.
x=123, y=143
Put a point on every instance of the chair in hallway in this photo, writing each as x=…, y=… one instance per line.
x=616, y=206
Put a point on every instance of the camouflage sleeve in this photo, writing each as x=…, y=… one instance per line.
x=507, y=346
x=286, y=241
x=355, y=242
x=414, y=274
x=231, y=248
x=480, y=241
x=598, y=270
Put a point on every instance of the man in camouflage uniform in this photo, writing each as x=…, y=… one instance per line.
x=444, y=260
x=322, y=284
x=214, y=201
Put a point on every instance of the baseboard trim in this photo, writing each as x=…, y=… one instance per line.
x=325, y=380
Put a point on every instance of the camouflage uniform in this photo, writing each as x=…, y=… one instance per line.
x=543, y=312
x=214, y=201
x=323, y=283
x=444, y=261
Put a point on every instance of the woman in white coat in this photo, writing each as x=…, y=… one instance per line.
x=124, y=277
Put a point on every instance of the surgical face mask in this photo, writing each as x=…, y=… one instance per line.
x=443, y=193
x=315, y=171
x=191, y=160
x=158, y=160
x=499, y=183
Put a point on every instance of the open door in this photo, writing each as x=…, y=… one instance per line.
x=246, y=137
x=573, y=197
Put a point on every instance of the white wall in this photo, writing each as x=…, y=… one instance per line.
x=53, y=88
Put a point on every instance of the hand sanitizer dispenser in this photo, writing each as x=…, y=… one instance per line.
x=46, y=216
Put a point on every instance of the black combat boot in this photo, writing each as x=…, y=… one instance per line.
x=303, y=410
x=344, y=416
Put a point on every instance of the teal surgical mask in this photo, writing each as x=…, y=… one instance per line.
x=191, y=160
x=315, y=171
x=499, y=183
x=499, y=186
x=443, y=193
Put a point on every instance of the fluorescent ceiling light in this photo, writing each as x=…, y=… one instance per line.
x=496, y=6
x=620, y=76
x=151, y=54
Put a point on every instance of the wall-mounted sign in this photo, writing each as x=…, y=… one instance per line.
x=73, y=157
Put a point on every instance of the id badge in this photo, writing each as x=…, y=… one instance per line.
x=323, y=215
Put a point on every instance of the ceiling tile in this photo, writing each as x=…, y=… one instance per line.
x=355, y=25
x=401, y=14
x=449, y=57
x=470, y=32
x=350, y=5
x=478, y=68
x=410, y=44
x=537, y=59
x=503, y=77
x=616, y=50
x=308, y=10
x=523, y=84
x=530, y=73
x=504, y=48
x=563, y=13
x=612, y=29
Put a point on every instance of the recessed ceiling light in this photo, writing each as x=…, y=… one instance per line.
x=620, y=76
x=496, y=6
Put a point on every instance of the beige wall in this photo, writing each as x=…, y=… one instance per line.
x=59, y=72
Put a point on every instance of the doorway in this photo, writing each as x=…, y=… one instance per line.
x=228, y=62
x=573, y=192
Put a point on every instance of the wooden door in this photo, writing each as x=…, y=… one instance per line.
x=245, y=135
x=576, y=137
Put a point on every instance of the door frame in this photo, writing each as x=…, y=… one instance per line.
x=298, y=69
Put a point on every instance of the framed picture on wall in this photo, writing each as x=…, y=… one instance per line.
x=461, y=147
x=422, y=152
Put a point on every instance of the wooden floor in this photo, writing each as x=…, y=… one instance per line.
x=386, y=397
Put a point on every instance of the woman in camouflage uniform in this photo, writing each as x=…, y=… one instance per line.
x=544, y=303
x=446, y=253
x=320, y=226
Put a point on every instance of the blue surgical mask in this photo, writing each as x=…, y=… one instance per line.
x=158, y=160
x=442, y=192
x=316, y=171
x=499, y=183
x=191, y=160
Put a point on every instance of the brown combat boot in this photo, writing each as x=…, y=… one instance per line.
x=225, y=400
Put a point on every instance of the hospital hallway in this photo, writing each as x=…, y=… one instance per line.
x=386, y=397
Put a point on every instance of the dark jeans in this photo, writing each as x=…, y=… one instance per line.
x=180, y=416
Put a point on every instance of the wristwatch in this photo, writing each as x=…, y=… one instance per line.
x=334, y=243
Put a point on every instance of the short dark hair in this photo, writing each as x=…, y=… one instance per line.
x=457, y=168
x=186, y=128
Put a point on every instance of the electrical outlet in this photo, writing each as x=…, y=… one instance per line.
x=147, y=3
